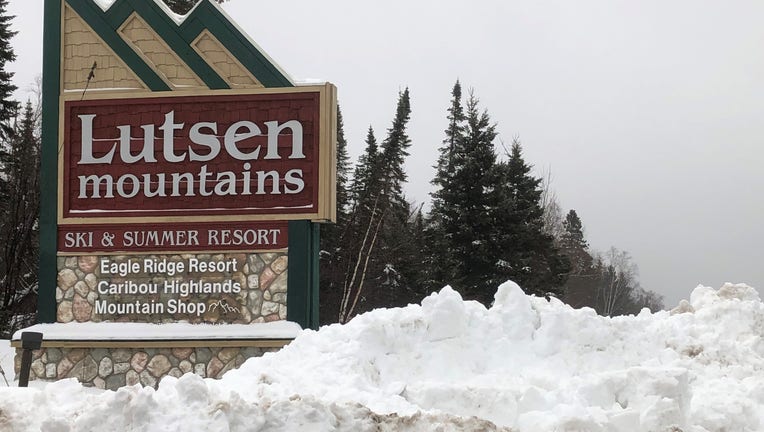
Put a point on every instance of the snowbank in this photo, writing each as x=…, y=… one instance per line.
x=526, y=364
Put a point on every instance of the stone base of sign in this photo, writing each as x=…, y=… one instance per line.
x=112, y=368
x=260, y=294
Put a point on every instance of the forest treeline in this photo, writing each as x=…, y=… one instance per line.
x=490, y=219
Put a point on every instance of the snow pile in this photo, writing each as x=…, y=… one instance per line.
x=526, y=364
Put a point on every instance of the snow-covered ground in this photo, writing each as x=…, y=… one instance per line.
x=526, y=364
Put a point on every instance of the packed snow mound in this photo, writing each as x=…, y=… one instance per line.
x=525, y=364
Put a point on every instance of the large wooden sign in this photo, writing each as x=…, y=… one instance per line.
x=183, y=171
x=241, y=156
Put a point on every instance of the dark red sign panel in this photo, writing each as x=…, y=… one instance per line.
x=187, y=237
x=250, y=154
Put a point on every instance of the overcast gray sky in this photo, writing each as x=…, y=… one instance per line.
x=648, y=112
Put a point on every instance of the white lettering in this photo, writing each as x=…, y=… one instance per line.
x=87, y=143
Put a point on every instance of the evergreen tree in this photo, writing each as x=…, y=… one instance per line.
x=469, y=222
x=343, y=171
x=377, y=242
x=574, y=245
x=461, y=222
x=392, y=264
x=183, y=6
x=20, y=164
x=394, y=151
x=364, y=181
x=527, y=255
x=581, y=286
x=8, y=106
x=440, y=262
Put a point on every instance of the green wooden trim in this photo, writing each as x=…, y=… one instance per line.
x=314, y=285
x=95, y=18
x=205, y=16
x=302, y=284
x=47, y=273
x=240, y=46
x=168, y=30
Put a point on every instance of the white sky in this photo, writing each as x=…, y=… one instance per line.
x=647, y=112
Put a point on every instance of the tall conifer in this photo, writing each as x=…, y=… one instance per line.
x=440, y=263
x=378, y=230
x=394, y=152
x=461, y=218
x=8, y=106
x=574, y=245
x=527, y=254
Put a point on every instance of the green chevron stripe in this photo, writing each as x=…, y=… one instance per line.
x=168, y=30
x=207, y=16
x=179, y=38
x=94, y=17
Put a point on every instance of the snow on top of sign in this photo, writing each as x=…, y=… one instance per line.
x=310, y=81
x=104, y=4
x=144, y=331
x=176, y=17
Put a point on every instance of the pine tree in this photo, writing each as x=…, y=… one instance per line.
x=461, y=218
x=440, y=261
x=581, y=286
x=343, y=171
x=8, y=106
x=20, y=164
x=378, y=232
x=393, y=271
x=527, y=255
x=364, y=181
x=394, y=152
x=574, y=245
x=472, y=200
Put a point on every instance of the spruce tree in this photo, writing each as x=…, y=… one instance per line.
x=343, y=170
x=378, y=233
x=8, y=106
x=574, y=245
x=394, y=152
x=440, y=261
x=526, y=254
x=474, y=197
x=365, y=179
x=581, y=285
x=461, y=223
x=395, y=251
